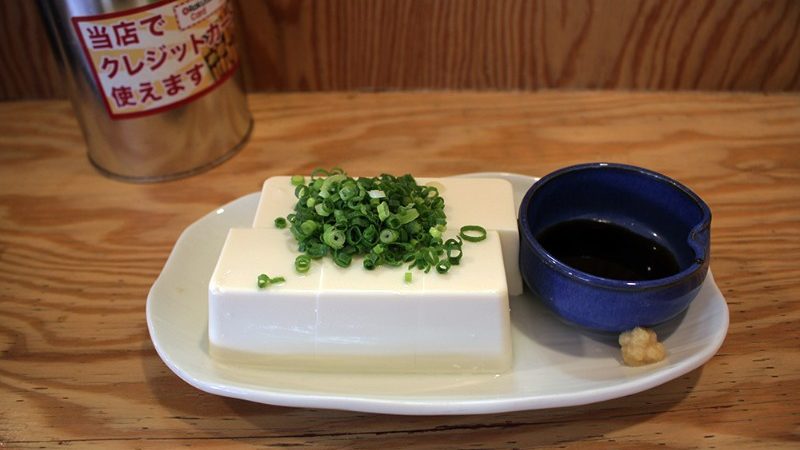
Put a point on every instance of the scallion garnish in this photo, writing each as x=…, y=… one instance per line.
x=443, y=266
x=333, y=238
x=263, y=280
x=452, y=248
x=280, y=222
x=302, y=263
x=473, y=233
x=388, y=236
x=386, y=220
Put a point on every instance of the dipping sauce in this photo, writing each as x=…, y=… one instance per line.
x=608, y=250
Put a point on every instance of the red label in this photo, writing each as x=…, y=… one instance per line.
x=158, y=57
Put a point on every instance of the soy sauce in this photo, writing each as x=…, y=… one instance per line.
x=608, y=250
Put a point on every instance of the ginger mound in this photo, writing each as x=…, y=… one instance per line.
x=640, y=346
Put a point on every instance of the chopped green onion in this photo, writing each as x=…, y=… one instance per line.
x=473, y=233
x=342, y=259
x=452, y=248
x=407, y=215
x=339, y=216
x=370, y=261
x=264, y=280
x=413, y=228
x=388, y=236
x=386, y=220
x=302, y=263
x=322, y=209
x=280, y=222
x=334, y=238
x=370, y=235
x=331, y=181
x=308, y=227
x=383, y=211
x=316, y=249
x=407, y=277
x=348, y=191
x=318, y=172
x=354, y=235
x=393, y=222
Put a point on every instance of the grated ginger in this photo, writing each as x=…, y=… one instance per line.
x=640, y=346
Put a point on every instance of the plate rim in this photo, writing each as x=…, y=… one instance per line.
x=434, y=405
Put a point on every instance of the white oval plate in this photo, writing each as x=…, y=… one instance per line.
x=554, y=364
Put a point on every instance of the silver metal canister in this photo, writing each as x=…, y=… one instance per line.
x=155, y=84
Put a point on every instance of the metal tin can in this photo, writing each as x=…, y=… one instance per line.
x=155, y=84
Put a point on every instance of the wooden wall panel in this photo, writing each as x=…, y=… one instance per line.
x=299, y=45
x=520, y=44
x=28, y=67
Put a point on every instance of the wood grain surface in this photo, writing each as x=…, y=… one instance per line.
x=335, y=45
x=79, y=252
x=28, y=65
x=522, y=44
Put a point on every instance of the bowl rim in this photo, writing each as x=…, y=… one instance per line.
x=696, y=268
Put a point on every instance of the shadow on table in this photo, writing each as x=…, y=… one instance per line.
x=228, y=418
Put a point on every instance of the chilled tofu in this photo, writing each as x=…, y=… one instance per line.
x=354, y=319
x=488, y=202
x=242, y=320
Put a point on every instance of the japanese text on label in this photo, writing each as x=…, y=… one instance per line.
x=158, y=57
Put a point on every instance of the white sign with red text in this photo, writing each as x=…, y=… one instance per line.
x=160, y=56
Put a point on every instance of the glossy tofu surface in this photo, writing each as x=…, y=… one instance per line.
x=488, y=202
x=354, y=319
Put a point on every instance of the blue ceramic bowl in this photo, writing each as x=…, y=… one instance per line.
x=642, y=201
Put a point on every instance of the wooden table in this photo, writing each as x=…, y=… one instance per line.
x=78, y=253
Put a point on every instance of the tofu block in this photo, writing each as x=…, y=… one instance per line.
x=488, y=202
x=357, y=320
x=243, y=319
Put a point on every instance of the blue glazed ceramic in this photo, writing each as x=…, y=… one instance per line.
x=643, y=201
